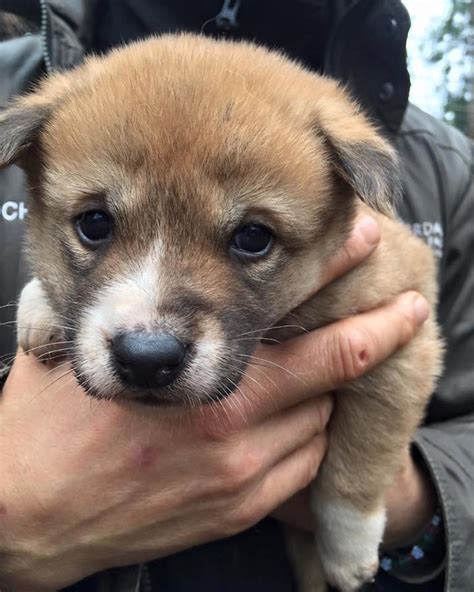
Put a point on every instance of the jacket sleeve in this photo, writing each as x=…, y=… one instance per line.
x=446, y=442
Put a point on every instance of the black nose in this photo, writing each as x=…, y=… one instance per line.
x=148, y=359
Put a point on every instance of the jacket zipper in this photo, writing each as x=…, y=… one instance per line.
x=44, y=36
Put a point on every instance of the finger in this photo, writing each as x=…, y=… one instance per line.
x=322, y=360
x=283, y=433
x=290, y=476
x=364, y=239
x=257, y=448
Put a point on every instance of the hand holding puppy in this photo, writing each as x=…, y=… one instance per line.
x=87, y=485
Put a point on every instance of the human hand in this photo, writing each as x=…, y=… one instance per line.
x=87, y=485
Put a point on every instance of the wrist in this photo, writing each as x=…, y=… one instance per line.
x=411, y=503
x=423, y=560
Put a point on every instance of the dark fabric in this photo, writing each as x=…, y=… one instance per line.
x=367, y=51
x=297, y=26
x=24, y=8
x=362, y=43
x=252, y=561
x=385, y=583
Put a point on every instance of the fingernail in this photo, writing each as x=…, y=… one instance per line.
x=369, y=229
x=421, y=308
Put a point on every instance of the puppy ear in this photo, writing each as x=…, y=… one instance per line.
x=19, y=128
x=21, y=123
x=361, y=157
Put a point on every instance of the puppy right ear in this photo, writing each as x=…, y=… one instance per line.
x=19, y=129
x=21, y=123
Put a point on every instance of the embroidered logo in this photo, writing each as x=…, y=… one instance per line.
x=13, y=210
x=432, y=233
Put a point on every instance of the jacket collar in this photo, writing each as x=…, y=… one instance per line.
x=367, y=51
x=66, y=31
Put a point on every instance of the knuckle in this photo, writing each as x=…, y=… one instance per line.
x=310, y=463
x=345, y=257
x=325, y=406
x=341, y=262
x=352, y=251
x=406, y=328
x=353, y=354
x=244, y=516
x=216, y=427
x=239, y=469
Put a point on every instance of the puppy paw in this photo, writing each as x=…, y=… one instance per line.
x=348, y=541
x=349, y=578
x=37, y=325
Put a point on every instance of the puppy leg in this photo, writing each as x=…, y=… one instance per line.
x=303, y=554
x=348, y=541
x=39, y=331
x=369, y=435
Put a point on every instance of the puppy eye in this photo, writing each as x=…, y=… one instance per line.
x=252, y=240
x=94, y=227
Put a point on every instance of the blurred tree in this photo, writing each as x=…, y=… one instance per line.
x=452, y=45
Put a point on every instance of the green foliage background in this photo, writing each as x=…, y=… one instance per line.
x=452, y=45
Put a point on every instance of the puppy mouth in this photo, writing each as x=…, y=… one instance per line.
x=163, y=398
x=185, y=391
x=119, y=392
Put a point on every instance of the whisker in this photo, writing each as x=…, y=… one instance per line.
x=245, y=397
x=259, y=367
x=50, y=343
x=12, y=303
x=52, y=382
x=56, y=355
x=256, y=382
x=257, y=339
x=274, y=365
x=8, y=358
x=263, y=329
x=50, y=326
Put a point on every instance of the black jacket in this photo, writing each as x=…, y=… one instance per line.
x=363, y=44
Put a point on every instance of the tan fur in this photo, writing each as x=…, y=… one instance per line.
x=186, y=137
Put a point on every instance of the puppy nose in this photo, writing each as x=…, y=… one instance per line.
x=148, y=359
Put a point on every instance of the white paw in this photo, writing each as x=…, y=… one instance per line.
x=348, y=541
x=37, y=326
x=350, y=578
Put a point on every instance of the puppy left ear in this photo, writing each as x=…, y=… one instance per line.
x=370, y=169
x=361, y=156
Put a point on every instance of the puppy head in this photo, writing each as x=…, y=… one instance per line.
x=186, y=194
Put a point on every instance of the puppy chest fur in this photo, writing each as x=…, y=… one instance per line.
x=186, y=196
